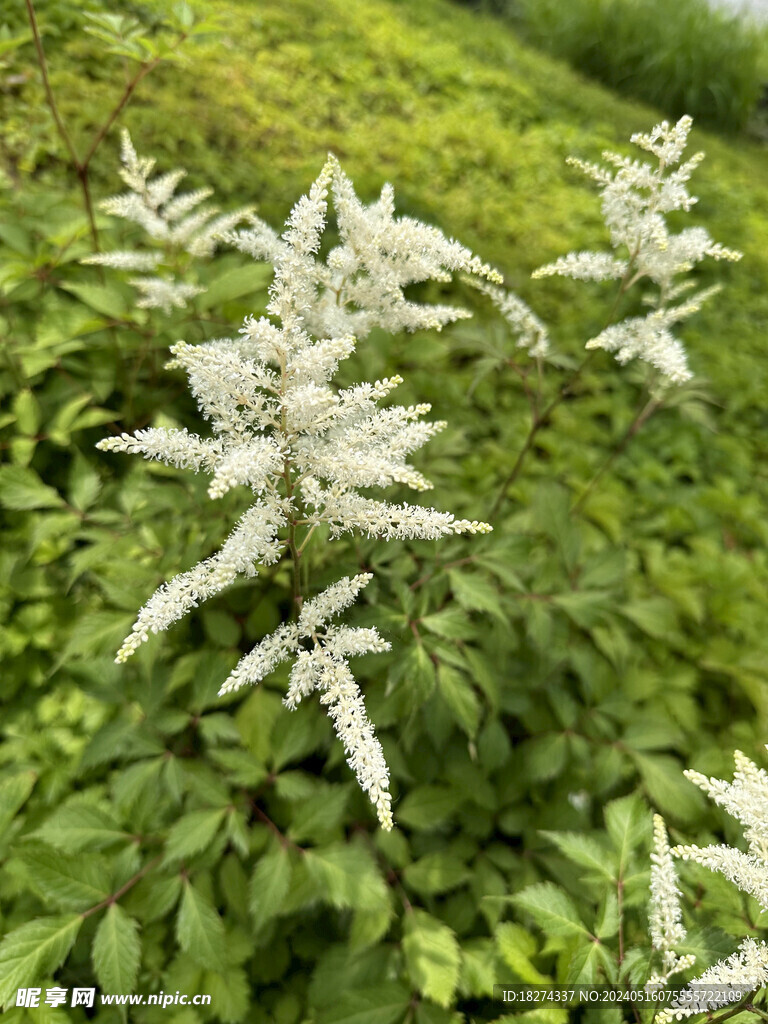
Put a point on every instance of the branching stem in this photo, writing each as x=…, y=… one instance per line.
x=82, y=167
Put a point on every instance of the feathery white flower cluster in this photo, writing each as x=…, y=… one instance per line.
x=177, y=223
x=746, y=798
x=665, y=915
x=635, y=199
x=359, y=284
x=304, y=448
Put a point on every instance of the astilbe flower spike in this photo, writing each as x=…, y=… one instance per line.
x=665, y=916
x=305, y=448
x=746, y=798
x=175, y=223
x=636, y=197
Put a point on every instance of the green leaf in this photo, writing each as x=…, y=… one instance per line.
x=418, y=673
x=377, y=1004
x=516, y=947
x=655, y=616
x=116, y=951
x=456, y=690
x=84, y=484
x=80, y=825
x=14, y=791
x=585, y=608
x=476, y=594
x=436, y=873
x=269, y=884
x=235, y=284
x=667, y=787
x=347, y=876
x=426, y=807
x=13, y=42
x=552, y=909
x=627, y=822
x=551, y=513
x=432, y=957
x=200, y=930
x=33, y=951
x=450, y=623
x=103, y=298
x=230, y=993
x=73, y=883
x=26, y=408
x=318, y=817
x=22, y=489
x=192, y=833
x=608, y=919
x=584, y=850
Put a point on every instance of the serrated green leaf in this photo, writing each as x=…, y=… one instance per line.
x=21, y=489
x=72, y=883
x=456, y=690
x=116, y=951
x=436, y=873
x=102, y=298
x=516, y=947
x=269, y=884
x=432, y=957
x=627, y=822
x=33, y=951
x=200, y=930
x=230, y=993
x=377, y=1004
x=347, y=876
x=450, y=623
x=80, y=825
x=476, y=594
x=14, y=792
x=320, y=815
x=418, y=673
x=192, y=833
x=426, y=807
x=666, y=785
x=552, y=909
x=585, y=851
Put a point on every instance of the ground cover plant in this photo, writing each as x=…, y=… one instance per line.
x=546, y=683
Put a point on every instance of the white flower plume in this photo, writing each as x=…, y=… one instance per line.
x=746, y=798
x=742, y=972
x=359, y=284
x=665, y=916
x=636, y=196
x=177, y=223
x=304, y=448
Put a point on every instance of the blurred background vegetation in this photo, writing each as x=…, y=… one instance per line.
x=565, y=663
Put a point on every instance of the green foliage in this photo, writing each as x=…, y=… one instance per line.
x=689, y=57
x=151, y=831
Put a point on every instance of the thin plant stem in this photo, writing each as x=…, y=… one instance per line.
x=50, y=98
x=745, y=1003
x=115, y=896
x=645, y=413
x=538, y=420
x=82, y=167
